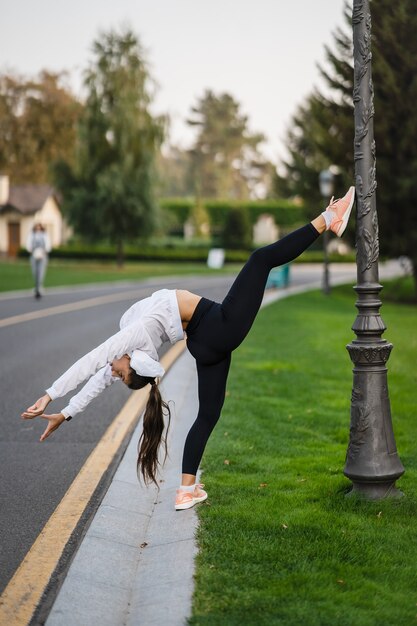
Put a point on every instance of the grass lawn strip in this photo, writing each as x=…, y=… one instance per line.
x=279, y=541
x=17, y=275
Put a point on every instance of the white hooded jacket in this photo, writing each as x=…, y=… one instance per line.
x=144, y=327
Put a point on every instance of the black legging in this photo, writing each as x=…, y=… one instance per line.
x=215, y=330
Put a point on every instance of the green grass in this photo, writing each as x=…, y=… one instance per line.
x=399, y=290
x=17, y=274
x=279, y=541
x=402, y=289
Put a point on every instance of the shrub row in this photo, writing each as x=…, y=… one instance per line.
x=143, y=253
x=166, y=254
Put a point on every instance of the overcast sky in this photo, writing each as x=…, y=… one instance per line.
x=263, y=52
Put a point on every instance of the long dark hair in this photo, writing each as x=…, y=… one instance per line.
x=153, y=427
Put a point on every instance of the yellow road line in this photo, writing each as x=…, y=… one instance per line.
x=67, y=308
x=24, y=591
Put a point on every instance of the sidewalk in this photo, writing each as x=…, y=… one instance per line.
x=126, y=570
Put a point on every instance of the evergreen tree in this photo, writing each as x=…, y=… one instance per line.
x=323, y=129
x=394, y=28
x=109, y=192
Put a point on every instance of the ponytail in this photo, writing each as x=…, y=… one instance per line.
x=152, y=435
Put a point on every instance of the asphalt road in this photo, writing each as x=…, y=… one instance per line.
x=34, y=476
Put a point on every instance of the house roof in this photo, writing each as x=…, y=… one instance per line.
x=28, y=199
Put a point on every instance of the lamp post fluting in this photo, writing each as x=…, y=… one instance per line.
x=372, y=462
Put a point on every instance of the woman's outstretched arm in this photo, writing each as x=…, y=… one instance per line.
x=123, y=342
x=97, y=383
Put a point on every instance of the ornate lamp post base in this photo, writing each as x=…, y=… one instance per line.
x=372, y=462
x=374, y=491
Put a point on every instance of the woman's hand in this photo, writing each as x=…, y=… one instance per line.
x=38, y=408
x=54, y=422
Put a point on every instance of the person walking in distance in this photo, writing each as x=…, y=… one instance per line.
x=213, y=331
x=39, y=246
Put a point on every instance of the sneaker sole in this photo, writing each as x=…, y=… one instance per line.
x=183, y=507
x=189, y=505
x=346, y=215
x=200, y=499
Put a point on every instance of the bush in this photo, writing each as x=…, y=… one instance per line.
x=106, y=252
x=237, y=230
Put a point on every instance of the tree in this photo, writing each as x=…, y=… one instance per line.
x=109, y=191
x=395, y=81
x=323, y=130
x=225, y=158
x=173, y=168
x=199, y=220
x=38, y=119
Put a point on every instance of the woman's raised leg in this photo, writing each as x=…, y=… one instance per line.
x=245, y=296
x=244, y=299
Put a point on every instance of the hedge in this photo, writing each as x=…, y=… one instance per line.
x=181, y=207
x=141, y=253
x=285, y=213
x=166, y=254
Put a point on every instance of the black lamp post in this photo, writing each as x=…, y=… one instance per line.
x=372, y=462
x=326, y=183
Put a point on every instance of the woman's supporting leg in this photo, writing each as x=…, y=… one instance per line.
x=211, y=394
x=244, y=299
x=42, y=271
x=37, y=274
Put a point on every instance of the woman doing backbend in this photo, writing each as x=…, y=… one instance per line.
x=213, y=331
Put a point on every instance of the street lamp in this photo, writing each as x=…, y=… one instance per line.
x=372, y=462
x=326, y=183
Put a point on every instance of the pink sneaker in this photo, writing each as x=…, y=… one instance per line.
x=341, y=211
x=199, y=494
x=185, y=499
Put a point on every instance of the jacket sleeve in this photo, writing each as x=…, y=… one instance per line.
x=48, y=246
x=97, y=383
x=131, y=337
x=29, y=242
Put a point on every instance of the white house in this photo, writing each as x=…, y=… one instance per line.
x=21, y=206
